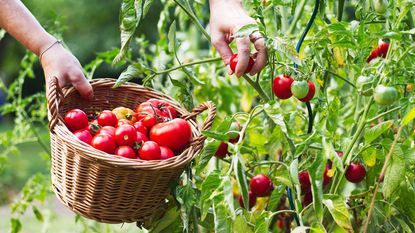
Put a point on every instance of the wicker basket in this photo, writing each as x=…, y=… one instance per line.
x=105, y=187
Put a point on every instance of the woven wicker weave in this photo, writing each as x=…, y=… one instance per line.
x=109, y=188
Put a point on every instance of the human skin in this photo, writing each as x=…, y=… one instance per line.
x=58, y=62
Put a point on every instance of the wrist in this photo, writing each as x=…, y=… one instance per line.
x=43, y=44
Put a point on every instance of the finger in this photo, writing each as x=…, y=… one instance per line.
x=82, y=85
x=244, y=53
x=261, y=56
x=224, y=51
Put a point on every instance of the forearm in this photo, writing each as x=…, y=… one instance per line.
x=17, y=20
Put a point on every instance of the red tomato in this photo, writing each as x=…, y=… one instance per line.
x=93, y=127
x=165, y=153
x=251, y=198
x=380, y=51
x=126, y=152
x=107, y=118
x=222, y=150
x=261, y=185
x=156, y=107
x=140, y=127
x=281, y=86
x=234, y=60
x=104, y=142
x=150, y=151
x=305, y=183
x=76, y=119
x=84, y=136
x=141, y=137
x=150, y=120
x=308, y=199
x=125, y=135
x=174, y=134
x=355, y=172
x=107, y=130
x=311, y=92
x=123, y=122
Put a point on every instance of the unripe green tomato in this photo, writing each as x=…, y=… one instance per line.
x=363, y=84
x=299, y=89
x=380, y=6
x=384, y=95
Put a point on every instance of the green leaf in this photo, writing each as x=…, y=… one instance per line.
x=285, y=47
x=171, y=36
x=239, y=170
x=15, y=225
x=222, y=221
x=133, y=71
x=274, y=199
x=168, y=218
x=261, y=223
x=228, y=195
x=215, y=135
x=294, y=171
x=209, y=185
x=37, y=213
x=408, y=117
x=186, y=196
x=338, y=210
x=407, y=200
x=331, y=154
x=317, y=227
x=394, y=173
x=373, y=133
x=275, y=115
x=240, y=225
x=316, y=174
x=246, y=30
x=369, y=156
x=208, y=151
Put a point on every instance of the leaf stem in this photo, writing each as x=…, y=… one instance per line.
x=188, y=64
x=340, y=77
x=257, y=87
x=383, y=114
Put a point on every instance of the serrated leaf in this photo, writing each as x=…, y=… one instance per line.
x=222, y=221
x=239, y=170
x=394, y=173
x=338, y=210
x=374, y=132
x=246, y=30
x=408, y=117
x=261, y=223
x=208, y=151
x=284, y=47
x=369, y=156
x=294, y=171
x=186, y=196
x=133, y=71
x=274, y=199
x=210, y=184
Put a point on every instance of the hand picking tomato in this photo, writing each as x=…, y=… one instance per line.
x=165, y=153
x=261, y=185
x=281, y=86
x=104, y=142
x=76, y=119
x=299, y=89
x=384, y=95
x=150, y=151
x=305, y=183
x=174, y=134
x=311, y=92
x=355, y=172
x=234, y=60
x=124, y=113
x=251, y=198
x=107, y=130
x=140, y=127
x=125, y=135
x=126, y=152
x=84, y=136
x=107, y=118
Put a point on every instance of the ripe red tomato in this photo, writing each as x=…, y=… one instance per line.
x=156, y=107
x=125, y=135
x=234, y=60
x=165, y=153
x=281, y=86
x=380, y=51
x=141, y=137
x=93, y=127
x=261, y=185
x=308, y=199
x=305, y=183
x=140, y=127
x=311, y=92
x=174, y=134
x=150, y=151
x=222, y=150
x=107, y=118
x=123, y=122
x=251, y=198
x=150, y=120
x=84, y=136
x=107, y=130
x=126, y=152
x=355, y=173
x=76, y=119
x=104, y=142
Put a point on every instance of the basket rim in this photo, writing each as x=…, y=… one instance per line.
x=91, y=153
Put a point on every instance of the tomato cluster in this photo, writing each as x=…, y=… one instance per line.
x=151, y=132
x=261, y=186
x=284, y=87
x=355, y=173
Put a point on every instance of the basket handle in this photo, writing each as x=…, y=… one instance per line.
x=54, y=96
x=207, y=124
